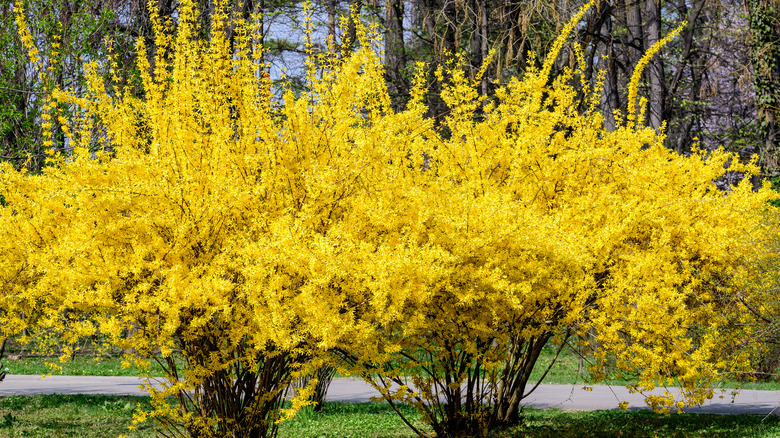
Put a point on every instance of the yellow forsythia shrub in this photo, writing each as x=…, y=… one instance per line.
x=521, y=221
x=237, y=241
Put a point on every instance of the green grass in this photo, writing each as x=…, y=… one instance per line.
x=87, y=416
x=564, y=371
x=53, y=416
x=352, y=420
x=552, y=423
x=570, y=368
x=92, y=359
x=78, y=366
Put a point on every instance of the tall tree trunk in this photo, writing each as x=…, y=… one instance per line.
x=483, y=46
x=395, y=53
x=655, y=70
x=417, y=22
x=348, y=42
x=635, y=40
x=449, y=12
x=261, y=28
x=609, y=94
x=332, y=44
x=479, y=40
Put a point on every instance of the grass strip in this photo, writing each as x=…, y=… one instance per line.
x=109, y=416
x=351, y=420
x=79, y=415
x=553, y=423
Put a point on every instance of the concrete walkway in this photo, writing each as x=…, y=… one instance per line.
x=566, y=397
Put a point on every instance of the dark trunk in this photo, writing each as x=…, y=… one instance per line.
x=479, y=40
x=655, y=70
x=609, y=94
x=395, y=53
x=332, y=18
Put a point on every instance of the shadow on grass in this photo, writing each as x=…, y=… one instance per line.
x=379, y=420
x=561, y=424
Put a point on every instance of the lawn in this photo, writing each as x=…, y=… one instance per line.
x=53, y=416
x=554, y=423
x=71, y=416
x=80, y=365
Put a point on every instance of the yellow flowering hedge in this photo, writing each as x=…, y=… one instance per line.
x=238, y=241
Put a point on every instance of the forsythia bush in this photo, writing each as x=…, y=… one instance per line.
x=525, y=222
x=238, y=242
x=754, y=329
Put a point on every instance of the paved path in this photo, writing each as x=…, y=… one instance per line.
x=567, y=397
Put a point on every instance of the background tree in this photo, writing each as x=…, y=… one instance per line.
x=66, y=36
x=17, y=130
x=699, y=86
x=765, y=62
